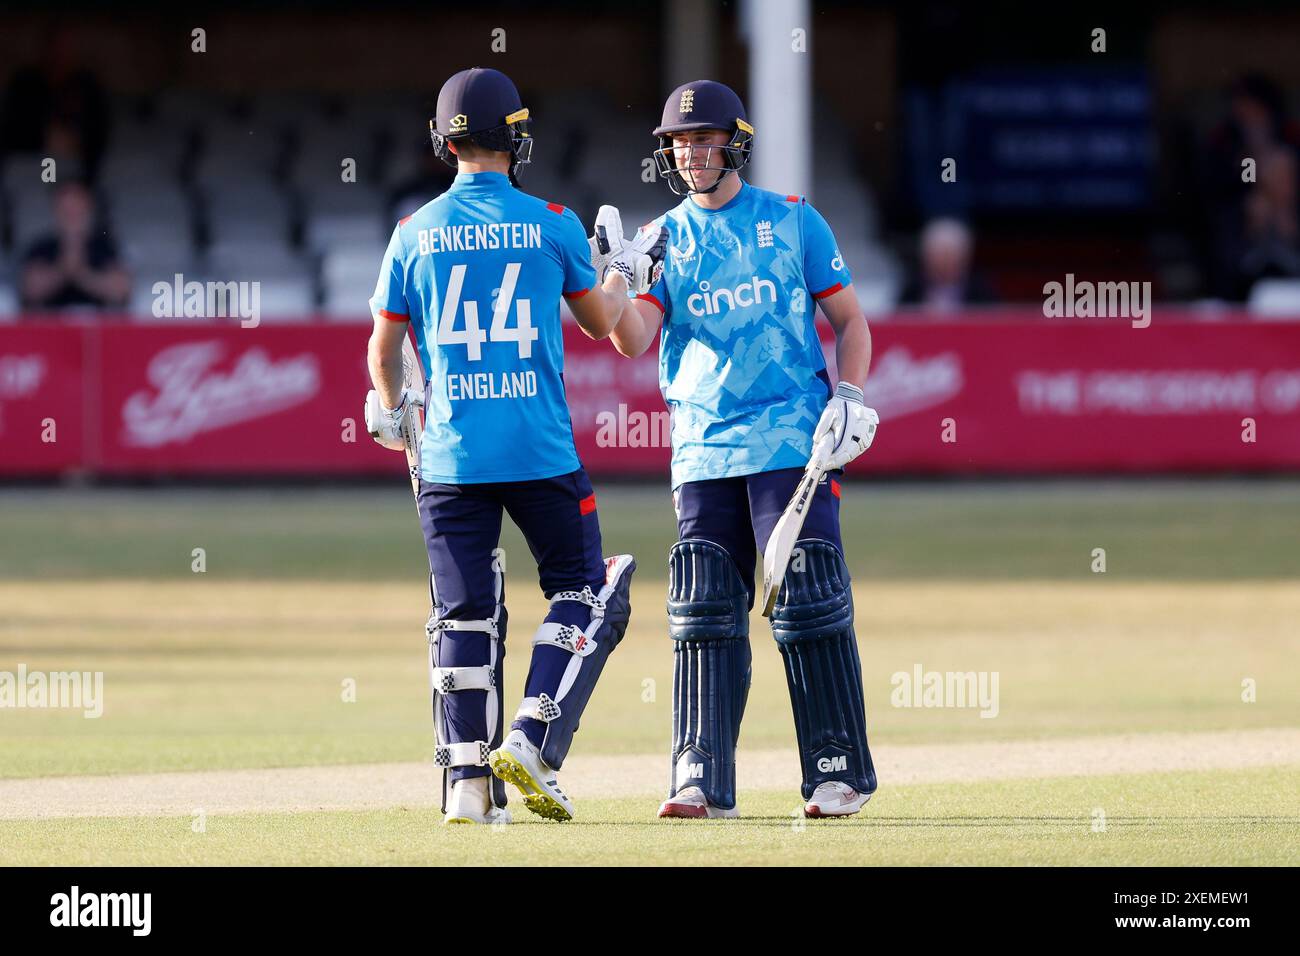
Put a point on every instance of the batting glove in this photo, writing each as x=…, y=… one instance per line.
x=389, y=426
x=642, y=260
x=847, y=424
x=606, y=240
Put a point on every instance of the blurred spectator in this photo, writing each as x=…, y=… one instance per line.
x=78, y=265
x=430, y=178
x=946, y=281
x=1270, y=242
x=1258, y=115
x=56, y=108
x=1252, y=224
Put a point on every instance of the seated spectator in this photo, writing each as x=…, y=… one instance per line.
x=1241, y=217
x=946, y=281
x=78, y=265
x=56, y=108
x=430, y=179
x=1270, y=235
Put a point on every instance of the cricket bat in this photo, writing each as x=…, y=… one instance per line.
x=413, y=421
x=776, y=556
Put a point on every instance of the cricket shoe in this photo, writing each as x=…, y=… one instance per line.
x=518, y=762
x=469, y=803
x=835, y=799
x=691, y=803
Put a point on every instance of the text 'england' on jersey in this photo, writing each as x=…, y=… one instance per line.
x=740, y=363
x=480, y=271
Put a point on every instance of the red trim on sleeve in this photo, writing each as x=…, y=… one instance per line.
x=555, y=207
x=577, y=295
x=831, y=291
x=793, y=198
x=588, y=504
x=649, y=298
x=394, y=316
x=835, y=488
x=404, y=220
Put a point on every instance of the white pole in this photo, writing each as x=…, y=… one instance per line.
x=692, y=40
x=780, y=93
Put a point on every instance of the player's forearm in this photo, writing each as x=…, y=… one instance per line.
x=385, y=363
x=638, y=329
x=630, y=337
x=603, y=308
x=853, y=351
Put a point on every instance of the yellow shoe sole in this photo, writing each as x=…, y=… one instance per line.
x=506, y=766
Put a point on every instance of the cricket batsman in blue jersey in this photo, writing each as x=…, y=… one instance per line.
x=477, y=276
x=742, y=370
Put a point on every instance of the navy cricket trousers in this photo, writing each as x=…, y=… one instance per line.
x=462, y=530
x=738, y=514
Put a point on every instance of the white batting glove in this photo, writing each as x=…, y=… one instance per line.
x=848, y=424
x=606, y=240
x=642, y=260
x=388, y=426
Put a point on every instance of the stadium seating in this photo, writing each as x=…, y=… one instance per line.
x=214, y=186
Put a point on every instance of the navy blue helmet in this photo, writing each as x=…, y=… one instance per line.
x=703, y=104
x=482, y=106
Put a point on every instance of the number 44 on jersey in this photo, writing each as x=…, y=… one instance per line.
x=471, y=336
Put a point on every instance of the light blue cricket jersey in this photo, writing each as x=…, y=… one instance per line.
x=740, y=364
x=479, y=272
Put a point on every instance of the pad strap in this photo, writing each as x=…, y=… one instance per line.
x=446, y=624
x=470, y=753
x=448, y=679
x=540, y=708
x=573, y=639
x=585, y=596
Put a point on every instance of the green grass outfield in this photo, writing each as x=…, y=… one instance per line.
x=1152, y=530
x=1248, y=817
x=306, y=593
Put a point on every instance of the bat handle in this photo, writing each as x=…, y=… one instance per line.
x=820, y=453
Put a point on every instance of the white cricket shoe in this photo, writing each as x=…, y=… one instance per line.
x=518, y=762
x=835, y=799
x=470, y=802
x=690, y=802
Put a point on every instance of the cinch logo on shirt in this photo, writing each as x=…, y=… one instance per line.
x=755, y=292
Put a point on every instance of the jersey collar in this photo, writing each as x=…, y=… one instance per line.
x=479, y=180
x=742, y=197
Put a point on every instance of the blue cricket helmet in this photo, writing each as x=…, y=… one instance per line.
x=482, y=106
x=703, y=104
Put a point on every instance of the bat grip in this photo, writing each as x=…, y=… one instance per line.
x=821, y=453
